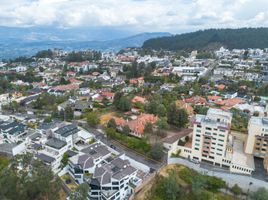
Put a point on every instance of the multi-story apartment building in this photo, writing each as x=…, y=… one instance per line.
x=210, y=136
x=257, y=140
x=212, y=143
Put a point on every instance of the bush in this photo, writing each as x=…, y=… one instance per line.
x=236, y=190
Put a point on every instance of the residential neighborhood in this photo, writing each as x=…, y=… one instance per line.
x=114, y=121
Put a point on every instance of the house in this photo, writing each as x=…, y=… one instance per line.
x=137, y=125
x=81, y=106
x=12, y=131
x=115, y=179
x=214, y=98
x=183, y=105
x=196, y=100
x=139, y=99
x=137, y=81
x=108, y=95
x=86, y=162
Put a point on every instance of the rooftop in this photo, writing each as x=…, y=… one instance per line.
x=261, y=121
x=67, y=130
x=55, y=143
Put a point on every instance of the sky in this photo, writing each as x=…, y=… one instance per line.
x=173, y=16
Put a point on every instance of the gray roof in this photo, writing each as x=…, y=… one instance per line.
x=45, y=158
x=85, y=161
x=96, y=150
x=6, y=148
x=81, y=105
x=67, y=130
x=55, y=143
x=128, y=170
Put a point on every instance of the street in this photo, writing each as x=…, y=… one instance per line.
x=154, y=165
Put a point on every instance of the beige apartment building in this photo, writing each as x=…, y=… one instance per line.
x=257, y=140
x=212, y=143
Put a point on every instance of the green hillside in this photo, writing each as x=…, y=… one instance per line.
x=212, y=38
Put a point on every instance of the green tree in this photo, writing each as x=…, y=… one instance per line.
x=64, y=160
x=68, y=113
x=111, y=124
x=126, y=130
x=92, y=119
x=157, y=151
x=28, y=178
x=176, y=116
x=260, y=194
x=124, y=104
x=236, y=190
x=162, y=123
x=148, y=129
x=80, y=193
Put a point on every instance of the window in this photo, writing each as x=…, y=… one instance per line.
x=207, y=128
x=196, y=149
x=221, y=135
x=198, y=130
x=197, y=135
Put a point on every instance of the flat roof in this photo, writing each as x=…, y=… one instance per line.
x=261, y=121
x=55, y=143
x=45, y=158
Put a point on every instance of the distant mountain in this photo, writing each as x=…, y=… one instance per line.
x=16, y=42
x=212, y=38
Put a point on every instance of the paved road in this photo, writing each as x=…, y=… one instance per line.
x=154, y=165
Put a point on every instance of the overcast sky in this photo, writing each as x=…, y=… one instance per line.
x=141, y=15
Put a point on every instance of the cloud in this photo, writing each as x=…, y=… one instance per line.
x=141, y=15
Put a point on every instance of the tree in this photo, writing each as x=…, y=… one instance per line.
x=126, y=130
x=68, y=113
x=176, y=116
x=148, y=129
x=124, y=104
x=198, y=184
x=80, y=193
x=157, y=151
x=111, y=124
x=260, y=194
x=64, y=160
x=214, y=184
x=167, y=187
x=162, y=123
x=92, y=119
x=236, y=190
x=28, y=178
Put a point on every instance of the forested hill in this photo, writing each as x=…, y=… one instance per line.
x=212, y=38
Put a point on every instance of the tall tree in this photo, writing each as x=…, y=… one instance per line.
x=28, y=178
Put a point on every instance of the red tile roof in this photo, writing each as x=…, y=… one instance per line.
x=138, y=99
x=196, y=100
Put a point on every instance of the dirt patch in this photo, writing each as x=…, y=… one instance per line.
x=106, y=117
